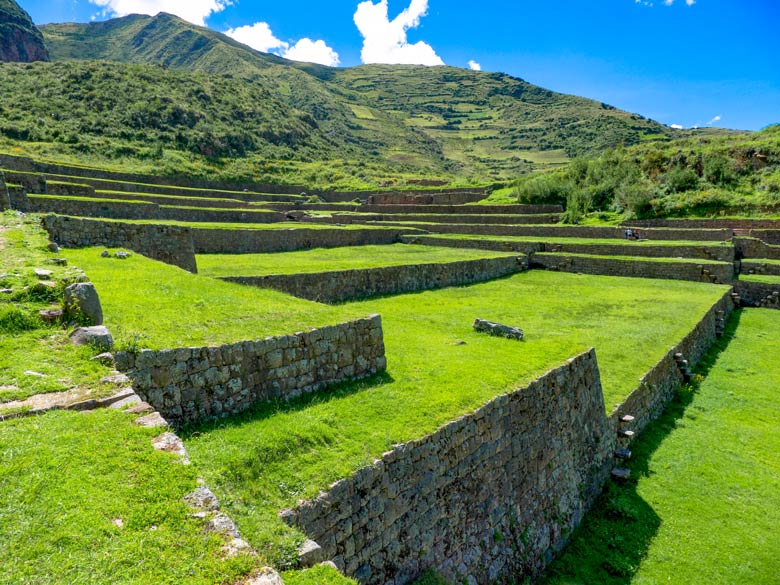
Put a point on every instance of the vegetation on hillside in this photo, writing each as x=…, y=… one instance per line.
x=733, y=173
x=360, y=127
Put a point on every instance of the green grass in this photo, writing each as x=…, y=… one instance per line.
x=26, y=345
x=66, y=477
x=324, y=260
x=634, y=258
x=703, y=504
x=88, y=199
x=173, y=198
x=319, y=575
x=753, y=261
x=594, y=241
x=267, y=459
x=762, y=278
x=153, y=305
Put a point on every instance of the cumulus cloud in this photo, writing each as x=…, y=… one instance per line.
x=676, y=127
x=474, y=66
x=195, y=11
x=385, y=40
x=312, y=52
x=714, y=120
x=260, y=37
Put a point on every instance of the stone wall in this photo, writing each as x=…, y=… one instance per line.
x=189, y=202
x=189, y=385
x=242, y=241
x=757, y=267
x=715, y=273
x=758, y=294
x=491, y=495
x=451, y=196
x=344, y=285
x=5, y=201
x=505, y=220
x=657, y=387
x=72, y=189
x=26, y=164
x=166, y=243
x=138, y=209
x=432, y=209
x=729, y=223
x=768, y=236
x=571, y=231
x=754, y=248
x=17, y=196
x=724, y=253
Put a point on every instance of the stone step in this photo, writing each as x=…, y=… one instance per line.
x=621, y=474
x=624, y=454
x=625, y=434
x=627, y=419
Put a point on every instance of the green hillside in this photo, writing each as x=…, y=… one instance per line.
x=374, y=125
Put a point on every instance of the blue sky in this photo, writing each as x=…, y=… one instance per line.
x=680, y=62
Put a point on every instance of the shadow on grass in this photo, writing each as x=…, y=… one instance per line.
x=615, y=535
x=264, y=410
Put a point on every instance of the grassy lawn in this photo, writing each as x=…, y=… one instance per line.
x=703, y=505
x=322, y=260
x=265, y=460
x=762, y=278
x=594, y=241
x=754, y=261
x=66, y=482
x=148, y=304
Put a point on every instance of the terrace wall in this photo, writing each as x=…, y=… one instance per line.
x=758, y=294
x=753, y=248
x=495, y=494
x=456, y=196
x=446, y=218
x=768, y=236
x=635, y=268
x=189, y=385
x=240, y=241
x=720, y=253
x=344, y=285
x=739, y=224
x=492, y=494
x=657, y=387
x=169, y=244
x=146, y=210
x=17, y=196
x=571, y=231
x=757, y=267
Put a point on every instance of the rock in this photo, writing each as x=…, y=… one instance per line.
x=310, y=553
x=51, y=316
x=116, y=379
x=21, y=40
x=122, y=255
x=223, y=524
x=53, y=247
x=107, y=359
x=34, y=374
x=82, y=302
x=105, y=254
x=98, y=336
x=43, y=274
x=6, y=291
x=171, y=443
x=203, y=499
x=59, y=261
x=266, y=576
x=152, y=421
x=498, y=330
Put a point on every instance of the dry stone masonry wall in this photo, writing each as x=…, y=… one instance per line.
x=493, y=494
x=719, y=273
x=166, y=243
x=189, y=385
x=343, y=285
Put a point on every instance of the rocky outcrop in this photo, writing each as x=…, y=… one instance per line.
x=20, y=39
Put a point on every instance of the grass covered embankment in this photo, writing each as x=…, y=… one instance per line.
x=703, y=504
x=269, y=458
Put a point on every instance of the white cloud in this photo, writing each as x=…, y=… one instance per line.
x=313, y=52
x=385, y=41
x=258, y=36
x=715, y=119
x=195, y=11
x=474, y=66
x=676, y=127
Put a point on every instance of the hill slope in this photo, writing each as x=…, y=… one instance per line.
x=439, y=121
x=20, y=40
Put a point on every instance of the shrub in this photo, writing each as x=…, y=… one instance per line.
x=553, y=188
x=679, y=180
x=14, y=320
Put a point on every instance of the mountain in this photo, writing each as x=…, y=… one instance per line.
x=20, y=40
x=433, y=121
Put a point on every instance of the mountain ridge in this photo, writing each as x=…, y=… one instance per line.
x=20, y=39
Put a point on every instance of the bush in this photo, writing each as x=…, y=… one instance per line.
x=14, y=320
x=680, y=180
x=553, y=188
